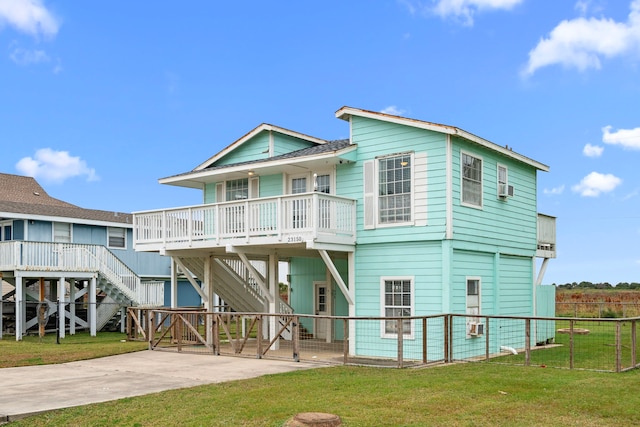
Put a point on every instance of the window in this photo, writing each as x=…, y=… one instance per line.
x=502, y=180
x=398, y=302
x=471, y=180
x=62, y=232
x=394, y=189
x=322, y=183
x=6, y=231
x=116, y=238
x=473, y=301
x=237, y=189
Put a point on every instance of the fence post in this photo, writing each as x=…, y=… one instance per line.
x=571, y=344
x=295, y=332
x=618, y=347
x=527, y=342
x=446, y=338
x=633, y=343
x=259, y=337
x=151, y=329
x=486, y=337
x=345, y=341
x=179, y=330
x=425, y=356
x=216, y=334
x=400, y=334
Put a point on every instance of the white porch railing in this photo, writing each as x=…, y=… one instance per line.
x=71, y=257
x=285, y=219
x=546, y=236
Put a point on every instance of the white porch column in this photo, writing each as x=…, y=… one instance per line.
x=61, y=312
x=274, y=302
x=209, y=304
x=174, y=284
x=20, y=307
x=72, y=306
x=93, y=320
x=351, y=266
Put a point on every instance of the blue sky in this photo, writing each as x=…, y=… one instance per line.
x=100, y=99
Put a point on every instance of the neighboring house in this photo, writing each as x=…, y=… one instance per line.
x=404, y=218
x=54, y=251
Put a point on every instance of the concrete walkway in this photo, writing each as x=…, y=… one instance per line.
x=33, y=389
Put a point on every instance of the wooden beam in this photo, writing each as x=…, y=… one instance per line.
x=256, y=276
x=336, y=276
x=191, y=280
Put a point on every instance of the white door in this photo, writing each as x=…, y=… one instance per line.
x=322, y=308
x=298, y=186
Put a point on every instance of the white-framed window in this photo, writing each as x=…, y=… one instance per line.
x=395, y=186
x=62, y=232
x=471, y=194
x=116, y=238
x=473, y=301
x=237, y=189
x=503, y=180
x=6, y=230
x=397, y=301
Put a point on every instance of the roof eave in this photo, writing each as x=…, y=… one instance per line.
x=260, y=128
x=345, y=113
x=197, y=179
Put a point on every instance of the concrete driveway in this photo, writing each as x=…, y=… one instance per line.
x=33, y=389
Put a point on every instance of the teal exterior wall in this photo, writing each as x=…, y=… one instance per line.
x=258, y=148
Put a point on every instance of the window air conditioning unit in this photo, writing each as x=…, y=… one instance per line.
x=476, y=329
x=505, y=190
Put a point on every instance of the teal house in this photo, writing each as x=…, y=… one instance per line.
x=404, y=218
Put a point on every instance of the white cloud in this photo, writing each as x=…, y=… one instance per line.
x=28, y=16
x=582, y=42
x=463, y=10
x=393, y=110
x=627, y=138
x=27, y=57
x=55, y=166
x=592, y=150
x=596, y=183
x=554, y=191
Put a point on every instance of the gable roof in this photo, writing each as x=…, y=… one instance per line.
x=345, y=113
x=21, y=197
x=326, y=151
x=260, y=128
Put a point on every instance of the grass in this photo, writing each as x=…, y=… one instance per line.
x=35, y=351
x=596, y=350
x=455, y=395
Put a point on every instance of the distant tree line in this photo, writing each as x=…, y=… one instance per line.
x=605, y=285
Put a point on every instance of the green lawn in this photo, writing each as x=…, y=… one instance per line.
x=33, y=350
x=475, y=394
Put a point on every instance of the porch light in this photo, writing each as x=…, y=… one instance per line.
x=251, y=173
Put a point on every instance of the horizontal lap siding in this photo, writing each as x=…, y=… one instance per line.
x=271, y=185
x=516, y=286
x=376, y=138
x=472, y=264
x=250, y=150
x=508, y=223
x=283, y=144
x=420, y=260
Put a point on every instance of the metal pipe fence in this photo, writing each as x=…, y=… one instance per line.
x=572, y=343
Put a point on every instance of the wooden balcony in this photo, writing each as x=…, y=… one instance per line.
x=291, y=219
x=546, y=236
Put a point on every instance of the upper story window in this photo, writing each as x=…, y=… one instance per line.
x=6, y=231
x=323, y=183
x=116, y=238
x=394, y=189
x=237, y=189
x=62, y=232
x=503, y=181
x=471, y=180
